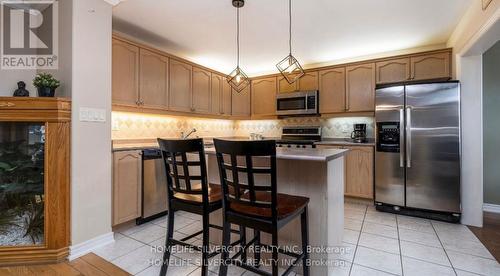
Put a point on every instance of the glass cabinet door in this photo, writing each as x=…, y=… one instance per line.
x=22, y=152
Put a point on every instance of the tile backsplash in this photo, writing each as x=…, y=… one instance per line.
x=145, y=126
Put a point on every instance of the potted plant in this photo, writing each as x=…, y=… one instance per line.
x=46, y=84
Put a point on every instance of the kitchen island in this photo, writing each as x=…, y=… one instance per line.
x=314, y=173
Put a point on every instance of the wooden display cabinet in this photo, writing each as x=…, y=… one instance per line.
x=34, y=180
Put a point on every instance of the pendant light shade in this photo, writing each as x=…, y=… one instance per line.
x=289, y=67
x=237, y=79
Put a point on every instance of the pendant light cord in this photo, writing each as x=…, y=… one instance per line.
x=290, y=25
x=238, y=37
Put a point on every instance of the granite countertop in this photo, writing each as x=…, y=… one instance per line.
x=322, y=155
x=345, y=142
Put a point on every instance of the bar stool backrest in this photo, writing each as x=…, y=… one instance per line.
x=236, y=158
x=178, y=158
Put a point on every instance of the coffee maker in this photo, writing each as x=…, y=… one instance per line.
x=359, y=133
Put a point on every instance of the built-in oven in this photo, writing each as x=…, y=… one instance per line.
x=297, y=103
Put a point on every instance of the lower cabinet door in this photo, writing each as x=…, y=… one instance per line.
x=359, y=172
x=127, y=178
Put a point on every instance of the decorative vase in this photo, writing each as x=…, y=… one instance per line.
x=46, y=92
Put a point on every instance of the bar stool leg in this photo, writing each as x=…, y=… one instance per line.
x=204, y=250
x=168, y=243
x=305, y=241
x=226, y=240
x=275, y=252
x=257, y=248
x=243, y=244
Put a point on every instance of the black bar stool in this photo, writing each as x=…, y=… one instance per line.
x=259, y=207
x=199, y=197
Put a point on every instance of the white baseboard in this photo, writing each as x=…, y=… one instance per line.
x=78, y=250
x=493, y=208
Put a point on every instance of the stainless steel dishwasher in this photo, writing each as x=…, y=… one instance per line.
x=154, y=186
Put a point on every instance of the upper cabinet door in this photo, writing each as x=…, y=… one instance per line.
x=180, y=86
x=309, y=81
x=125, y=73
x=217, y=97
x=241, y=102
x=432, y=66
x=202, y=80
x=284, y=86
x=360, y=87
x=153, y=80
x=332, y=90
x=395, y=70
x=264, y=97
x=226, y=98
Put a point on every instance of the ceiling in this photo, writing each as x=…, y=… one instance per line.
x=323, y=30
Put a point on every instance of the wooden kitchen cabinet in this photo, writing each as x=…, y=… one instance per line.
x=180, y=86
x=125, y=73
x=359, y=170
x=227, y=94
x=241, y=103
x=264, y=97
x=153, y=76
x=430, y=66
x=360, y=88
x=394, y=70
x=202, y=81
x=308, y=82
x=284, y=86
x=332, y=90
x=127, y=178
x=217, y=96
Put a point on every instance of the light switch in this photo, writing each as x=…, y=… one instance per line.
x=92, y=115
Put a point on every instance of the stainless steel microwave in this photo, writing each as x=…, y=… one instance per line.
x=297, y=103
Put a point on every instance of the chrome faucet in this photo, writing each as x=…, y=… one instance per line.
x=188, y=134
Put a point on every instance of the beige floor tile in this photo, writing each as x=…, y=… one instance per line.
x=380, y=229
x=413, y=267
x=150, y=233
x=425, y=253
x=474, y=264
x=358, y=270
x=429, y=239
x=117, y=249
x=137, y=260
x=353, y=224
x=379, y=243
x=381, y=218
x=378, y=260
x=351, y=236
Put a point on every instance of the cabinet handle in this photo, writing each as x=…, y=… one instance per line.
x=7, y=104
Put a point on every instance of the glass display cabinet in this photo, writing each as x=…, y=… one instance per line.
x=34, y=179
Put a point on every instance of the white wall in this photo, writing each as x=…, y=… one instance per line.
x=476, y=32
x=9, y=79
x=91, y=142
x=470, y=75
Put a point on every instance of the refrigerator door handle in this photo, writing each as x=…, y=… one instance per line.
x=401, y=137
x=408, y=137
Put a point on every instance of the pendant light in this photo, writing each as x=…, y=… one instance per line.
x=237, y=78
x=289, y=67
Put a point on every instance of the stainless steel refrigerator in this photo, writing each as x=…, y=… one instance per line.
x=417, y=159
